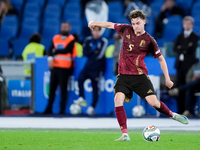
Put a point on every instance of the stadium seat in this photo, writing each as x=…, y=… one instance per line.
x=9, y=27
x=52, y=11
x=39, y=2
x=156, y=6
x=51, y=27
x=172, y=28
x=47, y=43
x=18, y=4
x=115, y=10
x=29, y=27
x=195, y=9
x=4, y=48
x=19, y=45
x=72, y=10
x=185, y=5
x=76, y=25
x=32, y=10
x=107, y=33
x=59, y=2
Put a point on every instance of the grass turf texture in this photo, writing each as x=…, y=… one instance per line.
x=64, y=139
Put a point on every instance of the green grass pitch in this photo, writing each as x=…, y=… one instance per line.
x=71, y=139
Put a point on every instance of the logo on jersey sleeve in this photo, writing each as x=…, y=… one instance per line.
x=128, y=36
x=130, y=47
x=142, y=43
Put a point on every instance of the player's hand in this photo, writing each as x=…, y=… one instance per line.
x=169, y=84
x=91, y=25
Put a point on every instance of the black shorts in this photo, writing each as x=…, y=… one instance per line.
x=140, y=84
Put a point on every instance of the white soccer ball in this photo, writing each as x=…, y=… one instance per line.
x=138, y=111
x=75, y=109
x=151, y=133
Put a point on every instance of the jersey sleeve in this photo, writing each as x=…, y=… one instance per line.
x=120, y=28
x=154, y=49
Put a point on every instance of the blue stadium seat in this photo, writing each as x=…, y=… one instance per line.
x=149, y=27
x=32, y=10
x=47, y=43
x=107, y=33
x=39, y=2
x=156, y=6
x=196, y=27
x=9, y=27
x=4, y=47
x=52, y=11
x=172, y=28
x=72, y=10
x=195, y=9
x=122, y=19
x=185, y=5
x=29, y=27
x=115, y=10
x=51, y=27
x=19, y=45
x=76, y=25
x=74, y=1
x=18, y=4
x=59, y=2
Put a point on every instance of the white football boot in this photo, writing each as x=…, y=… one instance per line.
x=180, y=118
x=124, y=137
x=90, y=111
x=80, y=101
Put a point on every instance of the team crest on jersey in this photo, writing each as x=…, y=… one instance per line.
x=128, y=36
x=142, y=43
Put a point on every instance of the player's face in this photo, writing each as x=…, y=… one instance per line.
x=138, y=24
x=187, y=25
x=96, y=33
x=65, y=28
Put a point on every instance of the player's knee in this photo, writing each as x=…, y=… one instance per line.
x=155, y=104
x=119, y=99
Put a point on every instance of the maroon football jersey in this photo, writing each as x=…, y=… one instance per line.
x=134, y=49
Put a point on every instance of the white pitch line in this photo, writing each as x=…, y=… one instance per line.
x=95, y=123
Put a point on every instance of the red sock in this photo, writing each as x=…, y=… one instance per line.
x=164, y=109
x=121, y=117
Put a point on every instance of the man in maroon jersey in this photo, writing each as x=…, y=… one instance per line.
x=132, y=69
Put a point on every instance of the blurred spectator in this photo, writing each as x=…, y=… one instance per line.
x=61, y=63
x=79, y=47
x=6, y=8
x=168, y=9
x=118, y=44
x=31, y=51
x=137, y=4
x=3, y=93
x=185, y=48
x=189, y=89
x=94, y=49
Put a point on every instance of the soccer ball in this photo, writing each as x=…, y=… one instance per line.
x=151, y=133
x=138, y=111
x=75, y=109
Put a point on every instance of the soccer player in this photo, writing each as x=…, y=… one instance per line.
x=132, y=69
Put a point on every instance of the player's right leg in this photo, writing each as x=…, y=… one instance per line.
x=121, y=116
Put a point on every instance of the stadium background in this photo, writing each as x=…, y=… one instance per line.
x=67, y=132
x=45, y=17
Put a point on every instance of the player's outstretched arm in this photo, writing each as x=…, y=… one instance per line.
x=164, y=68
x=109, y=25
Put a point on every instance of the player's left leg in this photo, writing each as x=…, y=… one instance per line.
x=161, y=107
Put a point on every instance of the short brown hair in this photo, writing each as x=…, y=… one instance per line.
x=137, y=13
